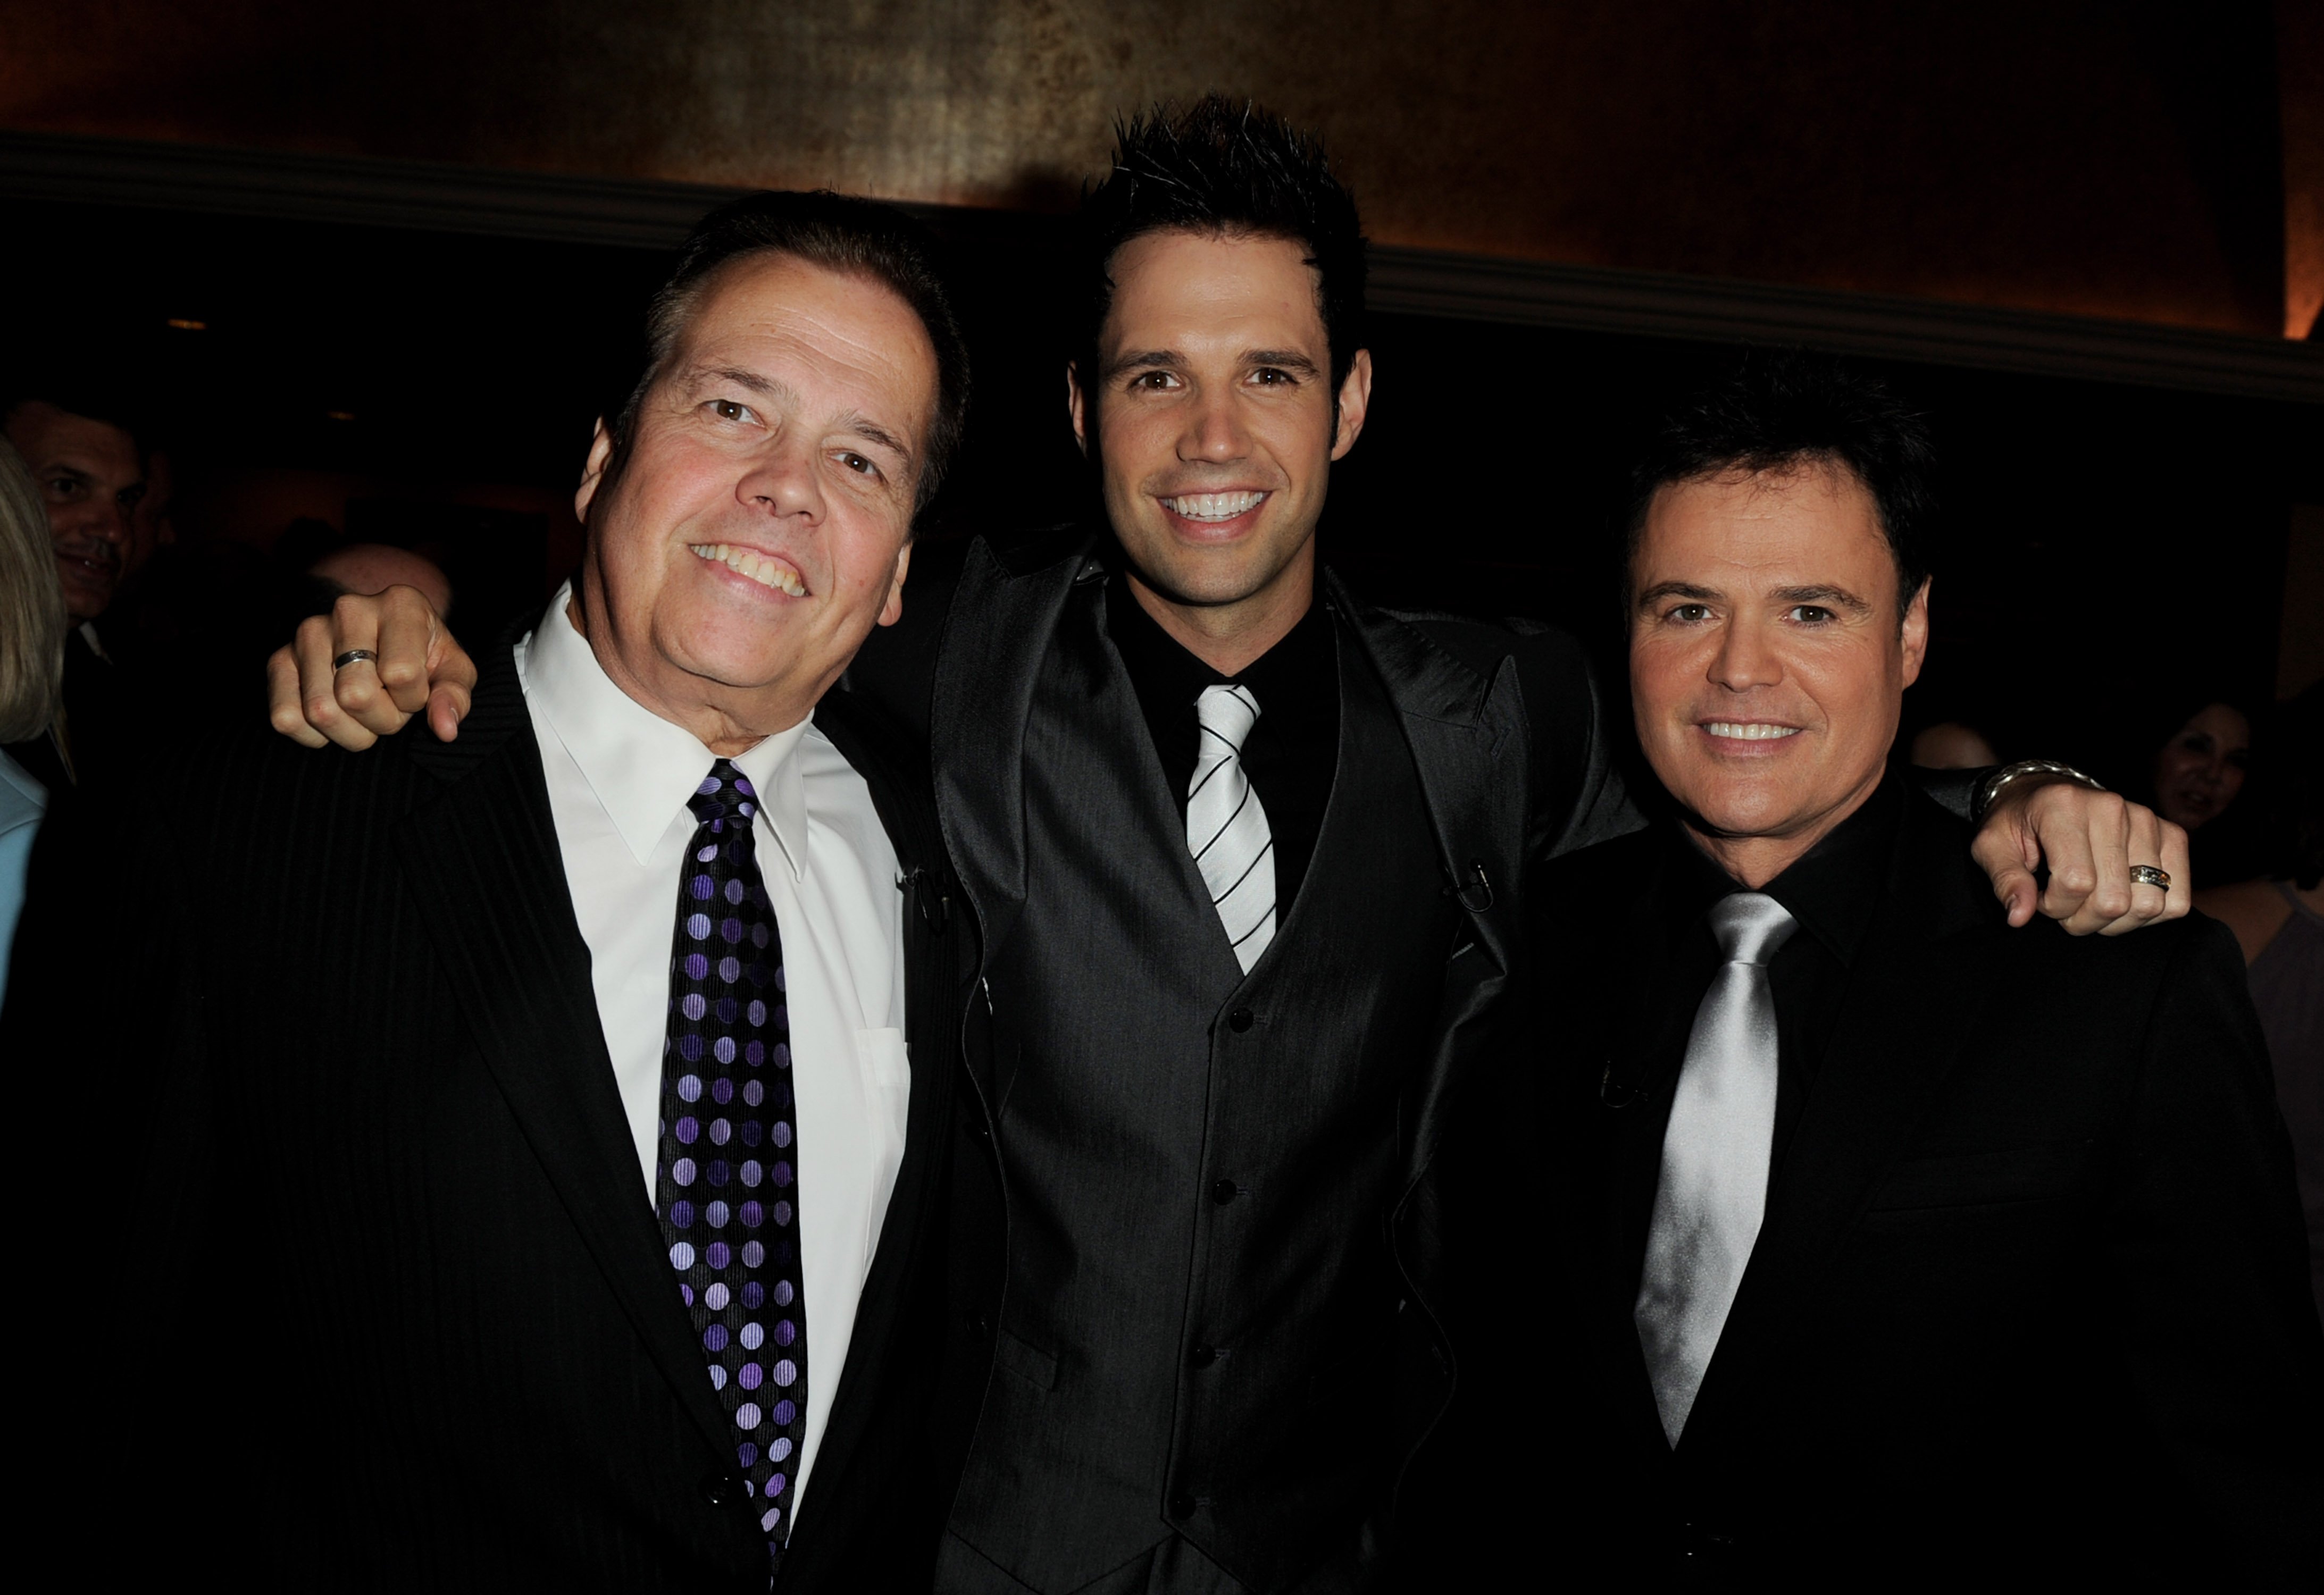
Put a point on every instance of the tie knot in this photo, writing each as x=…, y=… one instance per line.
x=726, y=790
x=1751, y=926
x=1228, y=714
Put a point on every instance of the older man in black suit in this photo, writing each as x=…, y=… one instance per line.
x=540, y=1192
x=1905, y=1246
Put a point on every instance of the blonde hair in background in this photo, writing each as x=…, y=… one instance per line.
x=32, y=607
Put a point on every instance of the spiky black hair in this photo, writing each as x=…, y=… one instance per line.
x=1226, y=166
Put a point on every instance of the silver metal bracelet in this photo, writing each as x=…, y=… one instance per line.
x=1989, y=789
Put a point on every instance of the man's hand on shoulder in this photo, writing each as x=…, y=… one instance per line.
x=2092, y=841
x=411, y=662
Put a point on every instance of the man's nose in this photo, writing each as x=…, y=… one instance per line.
x=1214, y=430
x=1744, y=659
x=783, y=480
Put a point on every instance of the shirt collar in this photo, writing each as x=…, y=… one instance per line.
x=640, y=766
x=1303, y=663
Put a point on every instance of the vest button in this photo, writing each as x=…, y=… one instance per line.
x=1202, y=1356
x=1223, y=1192
x=1182, y=1505
x=1239, y=1018
x=721, y=1489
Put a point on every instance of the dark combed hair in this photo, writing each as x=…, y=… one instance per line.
x=1778, y=410
x=854, y=238
x=1227, y=167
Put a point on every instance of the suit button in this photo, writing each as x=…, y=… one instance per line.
x=1182, y=1505
x=721, y=1489
x=1202, y=1356
x=1223, y=1192
x=975, y=1325
x=1239, y=1018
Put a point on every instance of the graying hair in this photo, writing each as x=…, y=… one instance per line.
x=32, y=607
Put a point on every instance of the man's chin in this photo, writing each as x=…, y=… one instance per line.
x=1209, y=576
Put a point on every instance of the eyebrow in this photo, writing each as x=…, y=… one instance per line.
x=702, y=375
x=872, y=431
x=1288, y=359
x=1686, y=590
x=1823, y=593
x=1168, y=359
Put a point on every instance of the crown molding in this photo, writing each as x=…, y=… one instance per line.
x=629, y=213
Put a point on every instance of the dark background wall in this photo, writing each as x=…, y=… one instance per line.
x=2112, y=541
x=2119, y=158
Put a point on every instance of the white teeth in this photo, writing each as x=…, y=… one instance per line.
x=1213, y=506
x=1750, y=731
x=766, y=572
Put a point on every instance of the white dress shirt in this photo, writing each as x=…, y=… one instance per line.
x=619, y=776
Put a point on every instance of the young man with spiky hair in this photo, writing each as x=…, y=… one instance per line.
x=1247, y=856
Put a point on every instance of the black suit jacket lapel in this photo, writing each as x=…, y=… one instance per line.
x=933, y=978
x=1467, y=737
x=489, y=880
x=999, y=627
x=1916, y=995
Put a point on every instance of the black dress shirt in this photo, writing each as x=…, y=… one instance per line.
x=1833, y=891
x=1290, y=754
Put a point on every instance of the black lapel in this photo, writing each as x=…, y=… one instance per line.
x=999, y=627
x=879, y=749
x=484, y=868
x=1916, y=992
x=1467, y=737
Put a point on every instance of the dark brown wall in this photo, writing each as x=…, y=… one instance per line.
x=2113, y=159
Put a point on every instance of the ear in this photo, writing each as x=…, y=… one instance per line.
x=593, y=472
x=1073, y=404
x=893, y=610
x=1916, y=633
x=1355, y=398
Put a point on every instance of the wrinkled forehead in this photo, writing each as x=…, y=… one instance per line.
x=810, y=324
x=1803, y=522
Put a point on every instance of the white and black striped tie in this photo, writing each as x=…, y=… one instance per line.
x=1226, y=828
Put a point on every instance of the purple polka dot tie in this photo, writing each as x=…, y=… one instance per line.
x=725, y=1182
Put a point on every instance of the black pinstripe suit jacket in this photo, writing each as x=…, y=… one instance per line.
x=385, y=1310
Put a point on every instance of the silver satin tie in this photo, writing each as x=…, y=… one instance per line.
x=1713, y=1190
x=1226, y=828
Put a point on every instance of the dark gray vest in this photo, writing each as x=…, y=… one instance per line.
x=1201, y=1292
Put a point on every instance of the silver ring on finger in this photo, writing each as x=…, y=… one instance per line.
x=357, y=655
x=2148, y=875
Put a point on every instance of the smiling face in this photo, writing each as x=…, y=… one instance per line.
x=2201, y=768
x=1211, y=411
x=1768, y=666
x=760, y=524
x=91, y=478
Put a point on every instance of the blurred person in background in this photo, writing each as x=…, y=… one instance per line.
x=1951, y=745
x=2191, y=764
x=2200, y=770
x=31, y=674
x=89, y=472
x=2278, y=921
